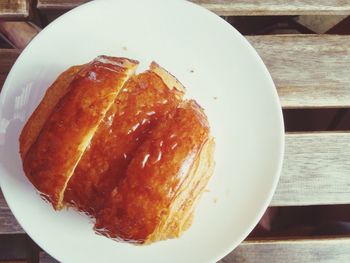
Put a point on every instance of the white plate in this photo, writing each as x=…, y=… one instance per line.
x=220, y=70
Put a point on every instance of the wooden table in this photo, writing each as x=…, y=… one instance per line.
x=14, y=9
x=310, y=71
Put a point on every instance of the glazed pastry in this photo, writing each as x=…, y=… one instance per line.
x=50, y=161
x=163, y=181
x=125, y=149
x=141, y=103
x=53, y=94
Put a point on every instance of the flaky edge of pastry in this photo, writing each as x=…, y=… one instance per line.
x=169, y=80
x=38, y=118
x=53, y=95
x=180, y=213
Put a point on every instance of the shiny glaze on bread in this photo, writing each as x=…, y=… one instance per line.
x=125, y=149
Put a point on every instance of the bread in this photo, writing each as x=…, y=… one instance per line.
x=125, y=149
x=53, y=94
x=143, y=100
x=149, y=204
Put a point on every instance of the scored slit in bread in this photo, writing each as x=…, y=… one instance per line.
x=51, y=158
x=142, y=102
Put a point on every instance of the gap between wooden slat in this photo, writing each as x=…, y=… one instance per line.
x=310, y=71
x=243, y=7
x=14, y=9
x=315, y=172
x=327, y=250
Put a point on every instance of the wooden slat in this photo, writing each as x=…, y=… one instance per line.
x=316, y=170
x=46, y=258
x=7, y=58
x=309, y=71
x=59, y=4
x=276, y=7
x=244, y=7
x=18, y=34
x=8, y=223
x=14, y=9
x=15, y=261
x=292, y=251
x=328, y=250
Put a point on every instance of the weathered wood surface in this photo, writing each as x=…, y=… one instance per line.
x=7, y=58
x=308, y=70
x=16, y=261
x=46, y=258
x=315, y=172
x=8, y=223
x=19, y=34
x=328, y=250
x=316, y=250
x=14, y=9
x=244, y=7
x=59, y=4
x=276, y=7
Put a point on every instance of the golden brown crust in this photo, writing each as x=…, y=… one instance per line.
x=143, y=100
x=126, y=150
x=169, y=80
x=155, y=176
x=180, y=215
x=67, y=132
x=38, y=118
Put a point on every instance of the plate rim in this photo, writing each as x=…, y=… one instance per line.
x=254, y=221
